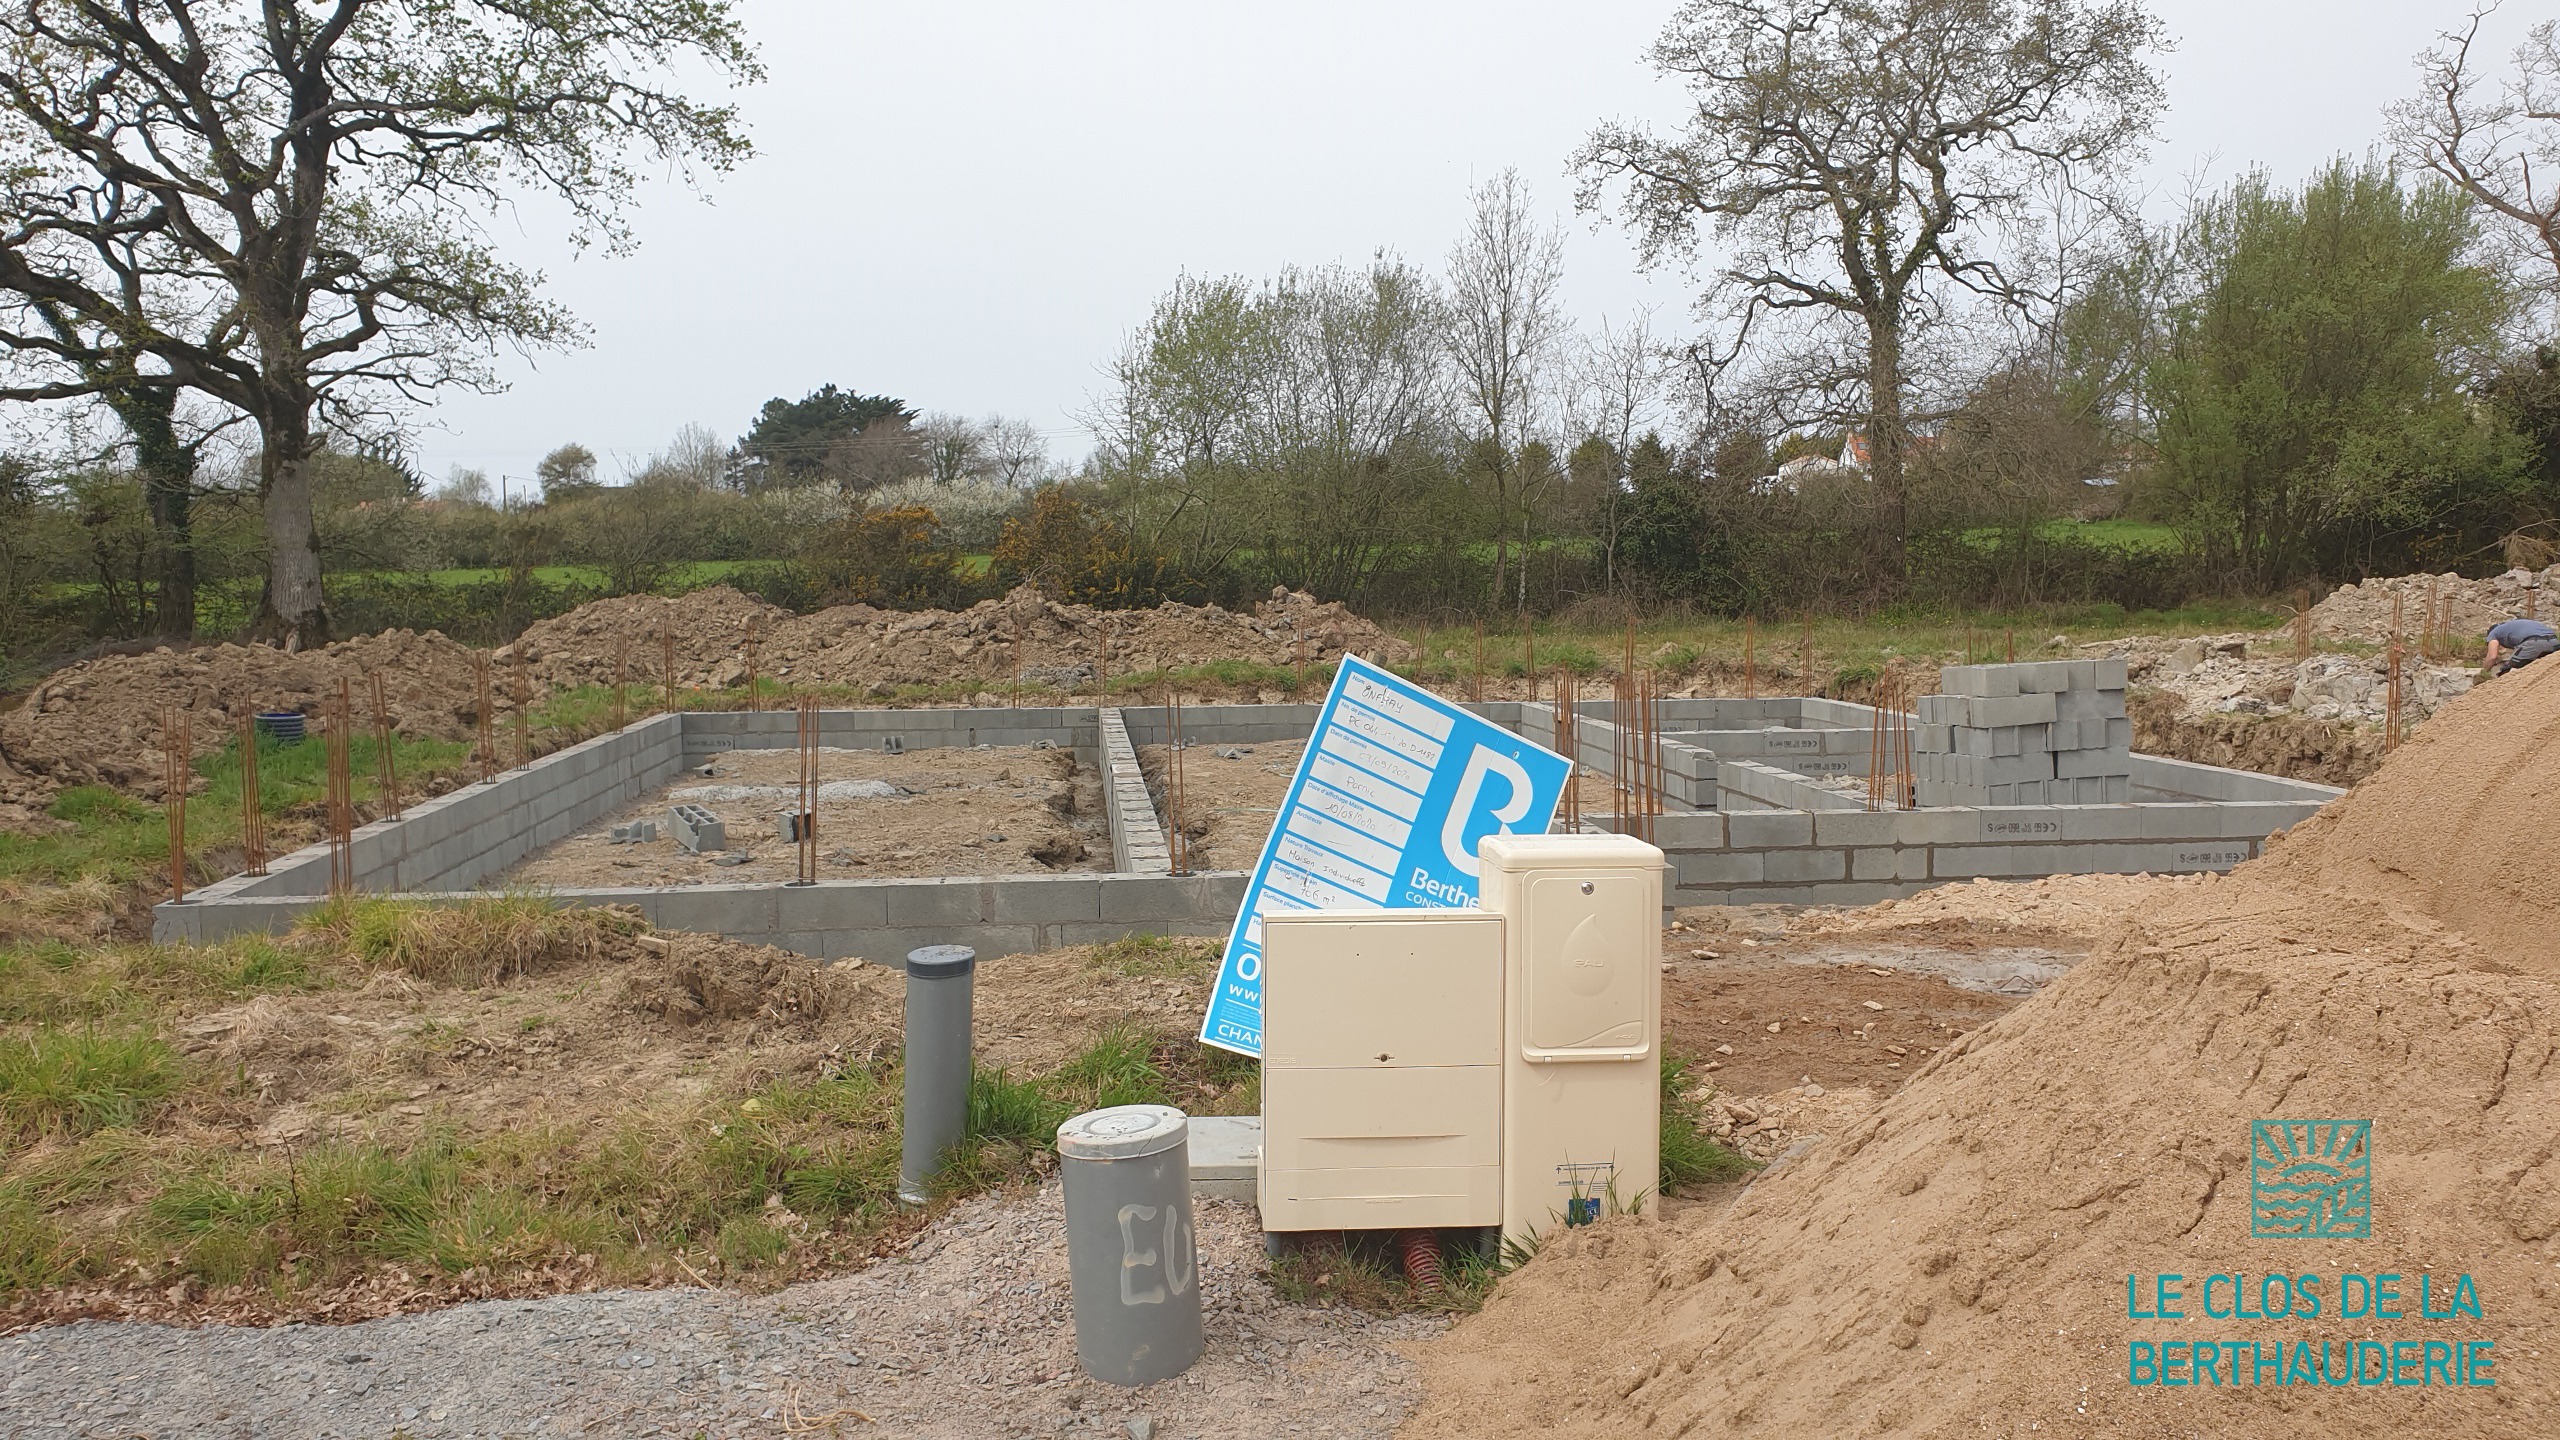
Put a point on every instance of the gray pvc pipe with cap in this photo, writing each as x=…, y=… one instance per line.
x=1131, y=1259
x=941, y=987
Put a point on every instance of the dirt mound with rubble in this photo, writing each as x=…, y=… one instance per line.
x=1056, y=645
x=1956, y=1263
x=99, y=722
x=2468, y=608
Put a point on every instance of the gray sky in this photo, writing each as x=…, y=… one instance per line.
x=968, y=204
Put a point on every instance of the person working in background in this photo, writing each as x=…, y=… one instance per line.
x=2514, y=644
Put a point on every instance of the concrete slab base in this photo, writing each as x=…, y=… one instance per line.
x=1226, y=1153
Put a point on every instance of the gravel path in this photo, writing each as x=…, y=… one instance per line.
x=965, y=1334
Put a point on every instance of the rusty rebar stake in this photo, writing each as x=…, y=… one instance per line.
x=667, y=668
x=485, y=726
x=177, y=749
x=341, y=791
x=524, y=706
x=253, y=814
x=807, y=796
x=386, y=773
x=1181, y=841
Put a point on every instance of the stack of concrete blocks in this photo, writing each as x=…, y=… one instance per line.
x=2041, y=732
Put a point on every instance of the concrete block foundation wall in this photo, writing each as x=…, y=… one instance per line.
x=1138, y=843
x=1857, y=857
x=1793, y=843
x=443, y=848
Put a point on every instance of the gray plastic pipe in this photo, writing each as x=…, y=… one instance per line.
x=1132, y=1264
x=941, y=987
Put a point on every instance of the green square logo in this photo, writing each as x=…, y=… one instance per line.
x=2311, y=1179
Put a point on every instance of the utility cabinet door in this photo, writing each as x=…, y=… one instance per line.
x=1591, y=963
x=1382, y=989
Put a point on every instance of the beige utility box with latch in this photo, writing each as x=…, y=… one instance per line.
x=1582, y=1024
x=1470, y=1068
x=1381, y=1070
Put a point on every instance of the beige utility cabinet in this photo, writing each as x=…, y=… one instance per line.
x=1382, y=1070
x=1582, y=1024
x=1452, y=1068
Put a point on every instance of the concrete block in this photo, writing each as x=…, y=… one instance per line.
x=2038, y=860
x=832, y=905
x=937, y=904
x=1046, y=899
x=2039, y=677
x=2119, y=734
x=1993, y=681
x=2023, y=709
x=1689, y=832
x=1226, y=1155
x=1966, y=861
x=1769, y=829
x=739, y=910
x=1857, y=827
x=1795, y=866
x=2107, y=674
x=1905, y=865
x=2078, y=764
x=2089, y=705
x=1719, y=867
x=1932, y=738
x=2159, y=859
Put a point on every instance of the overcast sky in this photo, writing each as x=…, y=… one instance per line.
x=969, y=204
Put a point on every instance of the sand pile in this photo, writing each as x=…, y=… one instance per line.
x=856, y=645
x=1957, y=1262
x=2363, y=611
x=99, y=721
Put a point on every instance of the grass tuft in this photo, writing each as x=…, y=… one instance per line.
x=1690, y=1156
x=478, y=942
x=1159, y=957
x=75, y=1082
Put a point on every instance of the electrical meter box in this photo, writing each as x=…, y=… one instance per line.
x=1381, y=1070
x=1582, y=1024
x=1454, y=1068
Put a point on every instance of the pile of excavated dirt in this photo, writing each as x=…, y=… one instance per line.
x=1958, y=1261
x=2470, y=607
x=2248, y=702
x=1060, y=646
x=99, y=722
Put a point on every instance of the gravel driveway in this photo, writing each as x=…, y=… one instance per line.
x=965, y=1334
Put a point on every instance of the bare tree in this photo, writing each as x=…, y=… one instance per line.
x=1505, y=322
x=1856, y=155
x=1626, y=374
x=2486, y=140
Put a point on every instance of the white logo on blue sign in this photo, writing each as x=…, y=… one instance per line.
x=1395, y=790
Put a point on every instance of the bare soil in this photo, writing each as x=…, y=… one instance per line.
x=1954, y=1262
x=988, y=810
x=1231, y=794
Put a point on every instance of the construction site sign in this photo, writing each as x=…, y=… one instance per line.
x=1395, y=789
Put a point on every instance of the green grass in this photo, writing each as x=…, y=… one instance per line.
x=1159, y=957
x=76, y=1082
x=1843, y=647
x=118, y=839
x=691, y=575
x=1690, y=1156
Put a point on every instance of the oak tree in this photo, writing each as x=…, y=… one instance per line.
x=1855, y=163
x=303, y=186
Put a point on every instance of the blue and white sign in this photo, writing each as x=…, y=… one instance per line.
x=1395, y=789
